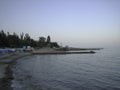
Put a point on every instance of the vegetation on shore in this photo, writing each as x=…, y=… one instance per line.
x=17, y=41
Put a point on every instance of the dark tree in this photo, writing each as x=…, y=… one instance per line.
x=17, y=41
x=48, y=39
x=22, y=36
x=27, y=39
x=3, y=39
x=42, y=42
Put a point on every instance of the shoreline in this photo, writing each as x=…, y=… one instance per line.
x=7, y=62
x=6, y=76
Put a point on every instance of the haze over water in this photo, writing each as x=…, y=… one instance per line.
x=98, y=71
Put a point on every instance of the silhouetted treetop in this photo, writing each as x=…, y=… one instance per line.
x=17, y=41
x=48, y=39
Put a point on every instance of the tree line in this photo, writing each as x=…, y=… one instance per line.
x=18, y=41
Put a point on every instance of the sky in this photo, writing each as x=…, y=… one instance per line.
x=80, y=23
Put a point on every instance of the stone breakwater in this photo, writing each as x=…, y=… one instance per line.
x=63, y=52
x=46, y=51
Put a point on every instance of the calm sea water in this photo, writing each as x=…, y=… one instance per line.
x=100, y=71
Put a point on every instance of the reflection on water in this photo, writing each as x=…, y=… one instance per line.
x=98, y=71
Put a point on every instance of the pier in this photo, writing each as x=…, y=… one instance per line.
x=52, y=51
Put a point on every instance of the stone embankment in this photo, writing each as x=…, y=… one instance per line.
x=45, y=51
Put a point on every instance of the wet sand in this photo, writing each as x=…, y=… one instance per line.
x=6, y=63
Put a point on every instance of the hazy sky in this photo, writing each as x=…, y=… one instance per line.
x=72, y=22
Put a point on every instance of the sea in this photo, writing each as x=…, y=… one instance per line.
x=99, y=71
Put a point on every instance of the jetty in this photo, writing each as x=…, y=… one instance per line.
x=46, y=51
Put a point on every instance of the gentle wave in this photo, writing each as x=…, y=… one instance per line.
x=68, y=72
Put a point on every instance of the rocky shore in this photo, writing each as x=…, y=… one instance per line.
x=6, y=63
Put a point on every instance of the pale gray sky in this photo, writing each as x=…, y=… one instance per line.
x=72, y=22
